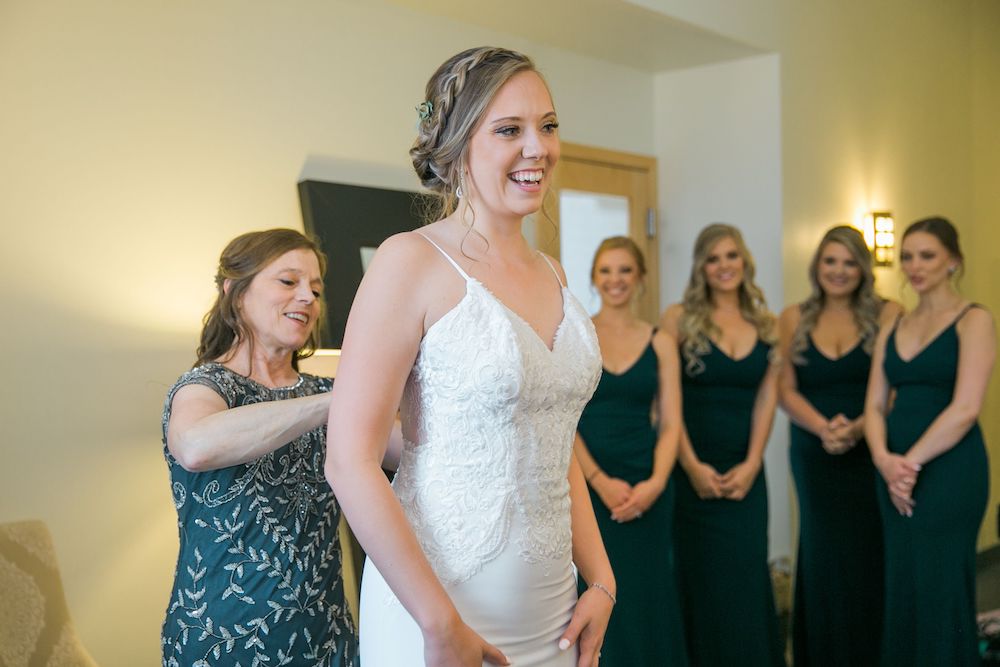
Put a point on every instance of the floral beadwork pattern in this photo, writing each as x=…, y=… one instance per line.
x=258, y=579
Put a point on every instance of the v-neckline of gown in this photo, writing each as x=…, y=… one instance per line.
x=515, y=316
x=826, y=356
x=512, y=315
x=734, y=359
x=929, y=343
x=635, y=363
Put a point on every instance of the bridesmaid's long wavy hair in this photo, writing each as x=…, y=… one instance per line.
x=696, y=327
x=223, y=327
x=865, y=303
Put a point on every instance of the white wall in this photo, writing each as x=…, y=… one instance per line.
x=137, y=139
x=718, y=143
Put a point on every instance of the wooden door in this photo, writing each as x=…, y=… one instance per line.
x=626, y=183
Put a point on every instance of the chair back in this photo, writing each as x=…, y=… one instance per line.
x=35, y=625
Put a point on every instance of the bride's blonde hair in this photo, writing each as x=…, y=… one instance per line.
x=696, y=327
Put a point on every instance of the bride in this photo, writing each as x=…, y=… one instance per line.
x=474, y=338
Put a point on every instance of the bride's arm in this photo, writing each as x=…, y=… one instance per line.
x=383, y=335
x=593, y=609
x=590, y=618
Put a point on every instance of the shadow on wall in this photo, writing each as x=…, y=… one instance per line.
x=81, y=403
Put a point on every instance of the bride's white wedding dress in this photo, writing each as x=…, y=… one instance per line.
x=492, y=411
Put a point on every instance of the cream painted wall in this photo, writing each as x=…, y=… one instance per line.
x=718, y=139
x=981, y=232
x=137, y=139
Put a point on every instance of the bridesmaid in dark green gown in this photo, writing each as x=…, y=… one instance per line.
x=729, y=397
x=627, y=465
x=930, y=452
x=826, y=342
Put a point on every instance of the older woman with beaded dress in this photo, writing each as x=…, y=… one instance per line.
x=258, y=577
x=826, y=346
x=472, y=335
x=729, y=388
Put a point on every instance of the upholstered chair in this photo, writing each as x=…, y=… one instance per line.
x=35, y=626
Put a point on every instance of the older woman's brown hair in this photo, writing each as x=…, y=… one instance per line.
x=223, y=327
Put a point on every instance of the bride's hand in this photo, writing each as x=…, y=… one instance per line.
x=460, y=646
x=588, y=625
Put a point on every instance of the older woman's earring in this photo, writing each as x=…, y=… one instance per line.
x=952, y=269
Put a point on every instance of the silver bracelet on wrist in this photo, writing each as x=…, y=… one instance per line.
x=601, y=587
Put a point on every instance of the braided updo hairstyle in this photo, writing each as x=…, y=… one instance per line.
x=458, y=92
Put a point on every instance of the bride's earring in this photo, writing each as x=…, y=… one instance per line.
x=460, y=190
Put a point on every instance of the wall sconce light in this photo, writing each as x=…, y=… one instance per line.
x=880, y=234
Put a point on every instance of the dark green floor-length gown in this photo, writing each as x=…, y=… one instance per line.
x=837, y=619
x=645, y=627
x=726, y=596
x=930, y=612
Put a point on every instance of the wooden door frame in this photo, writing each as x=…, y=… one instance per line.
x=641, y=164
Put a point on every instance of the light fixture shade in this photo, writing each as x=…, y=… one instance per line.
x=883, y=238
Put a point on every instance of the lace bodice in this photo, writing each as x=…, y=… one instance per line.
x=492, y=412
